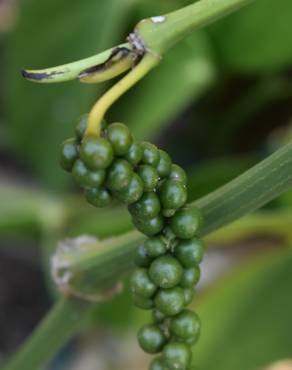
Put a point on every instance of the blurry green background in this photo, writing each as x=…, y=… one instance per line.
x=219, y=102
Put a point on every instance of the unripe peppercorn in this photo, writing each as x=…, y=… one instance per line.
x=170, y=301
x=135, y=153
x=190, y=252
x=81, y=127
x=165, y=272
x=151, y=226
x=188, y=295
x=186, y=222
x=150, y=154
x=120, y=137
x=148, y=206
x=133, y=192
x=142, y=302
x=98, y=197
x=86, y=178
x=177, y=356
x=119, y=175
x=158, y=364
x=149, y=176
x=190, y=277
x=155, y=246
x=164, y=164
x=96, y=152
x=68, y=154
x=172, y=194
x=186, y=325
x=177, y=173
x=141, y=257
x=151, y=338
x=158, y=316
x=141, y=283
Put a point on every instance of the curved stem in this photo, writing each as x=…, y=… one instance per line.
x=98, y=111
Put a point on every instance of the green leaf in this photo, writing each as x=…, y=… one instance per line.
x=56, y=32
x=247, y=318
x=257, y=39
x=182, y=76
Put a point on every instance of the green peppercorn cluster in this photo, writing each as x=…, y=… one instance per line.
x=115, y=166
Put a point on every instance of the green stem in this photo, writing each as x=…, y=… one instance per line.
x=64, y=319
x=246, y=193
x=161, y=33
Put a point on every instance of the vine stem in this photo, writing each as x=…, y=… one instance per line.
x=98, y=111
x=246, y=193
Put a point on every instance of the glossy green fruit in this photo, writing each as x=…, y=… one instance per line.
x=164, y=164
x=133, y=192
x=149, y=176
x=86, y=178
x=141, y=258
x=119, y=175
x=186, y=222
x=151, y=226
x=151, y=338
x=186, y=325
x=178, y=173
x=190, y=277
x=158, y=316
x=120, y=137
x=155, y=246
x=96, y=152
x=188, y=295
x=98, y=197
x=68, y=154
x=135, y=153
x=150, y=154
x=158, y=364
x=177, y=356
x=172, y=194
x=148, y=206
x=170, y=301
x=81, y=127
x=142, y=302
x=190, y=252
x=166, y=272
x=141, y=284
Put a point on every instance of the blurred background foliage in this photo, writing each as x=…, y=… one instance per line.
x=219, y=102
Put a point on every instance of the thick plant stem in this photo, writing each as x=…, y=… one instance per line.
x=161, y=33
x=64, y=319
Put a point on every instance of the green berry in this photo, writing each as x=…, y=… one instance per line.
x=151, y=226
x=158, y=364
x=164, y=164
x=186, y=222
x=188, y=295
x=148, y=206
x=81, y=127
x=165, y=272
x=120, y=137
x=150, y=154
x=170, y=301
x=149, y=176
x=155, y=246
x=142, y=302
x=133, y=192
x=98, y=197
x=119, y=175
x=178, y=173
x=68, y=154
x=158, y=316
x=141, y=258
x=173, y=194
x=186, y=325
x=151, y=338
x=135, y=153
x=96, y=152
x=86, y=178
x=190, y=277
x=177, y=356
x=141, y=283
x=190, y=252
